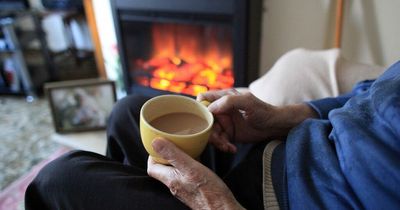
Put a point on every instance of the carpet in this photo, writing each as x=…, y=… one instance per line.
x=25, y=146
x=25, y=136
x=26, y=128
x=12, y=197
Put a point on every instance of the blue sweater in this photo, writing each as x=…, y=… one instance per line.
x=350, y=157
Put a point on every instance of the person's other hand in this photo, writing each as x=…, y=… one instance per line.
x=188, y=180
x=242, y=117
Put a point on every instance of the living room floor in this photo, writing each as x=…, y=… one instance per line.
x=26, y=128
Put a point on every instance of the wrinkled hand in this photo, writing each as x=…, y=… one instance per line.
x=188, y=180
x=242, y=117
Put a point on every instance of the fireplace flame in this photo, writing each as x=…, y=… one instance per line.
x=188, y=59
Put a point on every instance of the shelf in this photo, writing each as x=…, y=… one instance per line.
x=13, y=42
x=6, y=49
x=26, y=37
x=7, y=91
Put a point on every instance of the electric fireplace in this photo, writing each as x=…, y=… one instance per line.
x=187, y=46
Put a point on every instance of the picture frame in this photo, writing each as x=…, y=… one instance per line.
x=80, y=105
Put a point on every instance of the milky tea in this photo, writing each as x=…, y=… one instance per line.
x=180, y=123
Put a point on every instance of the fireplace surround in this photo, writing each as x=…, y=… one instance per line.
x=187, y=46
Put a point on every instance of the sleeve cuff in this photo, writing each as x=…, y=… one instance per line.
x=324, y=106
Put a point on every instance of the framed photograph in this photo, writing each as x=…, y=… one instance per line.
x=80, y=105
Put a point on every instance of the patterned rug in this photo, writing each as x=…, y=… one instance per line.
x=25, y=139
x=12, y=197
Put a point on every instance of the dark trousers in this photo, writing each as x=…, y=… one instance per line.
x=85, y=180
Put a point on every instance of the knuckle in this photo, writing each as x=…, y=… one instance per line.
x=248, y=95
x=200, y=96
x=228, y=99
x=194, y=174
x=249, y=98
x=175, y=187
x=233, y=91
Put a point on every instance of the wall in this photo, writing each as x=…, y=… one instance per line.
x=370, y=29
x=108, y=42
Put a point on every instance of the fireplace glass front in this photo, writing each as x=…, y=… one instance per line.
x=179, y=57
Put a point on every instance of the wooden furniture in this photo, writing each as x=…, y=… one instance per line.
x=91, y=20
x=13, y=50
x=338, y=24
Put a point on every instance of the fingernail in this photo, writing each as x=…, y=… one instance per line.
x=157, y=145
x=205, y=103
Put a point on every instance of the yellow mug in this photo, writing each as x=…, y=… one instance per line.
x=191, y=144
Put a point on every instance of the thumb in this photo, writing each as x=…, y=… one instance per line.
x=168, y=151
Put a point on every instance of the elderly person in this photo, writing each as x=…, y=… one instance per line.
x=335, y=153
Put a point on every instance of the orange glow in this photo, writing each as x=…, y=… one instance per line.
x=188, y=59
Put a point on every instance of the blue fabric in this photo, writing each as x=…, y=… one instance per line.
x=350, y=158
x=325, y=105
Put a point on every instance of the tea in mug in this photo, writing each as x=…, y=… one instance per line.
x=180, y=123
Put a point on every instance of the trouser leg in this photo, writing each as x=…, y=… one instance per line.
x=245, y=179
x=85, y=180
x=123, y=134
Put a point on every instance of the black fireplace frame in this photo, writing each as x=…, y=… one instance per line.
x=243, y=15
